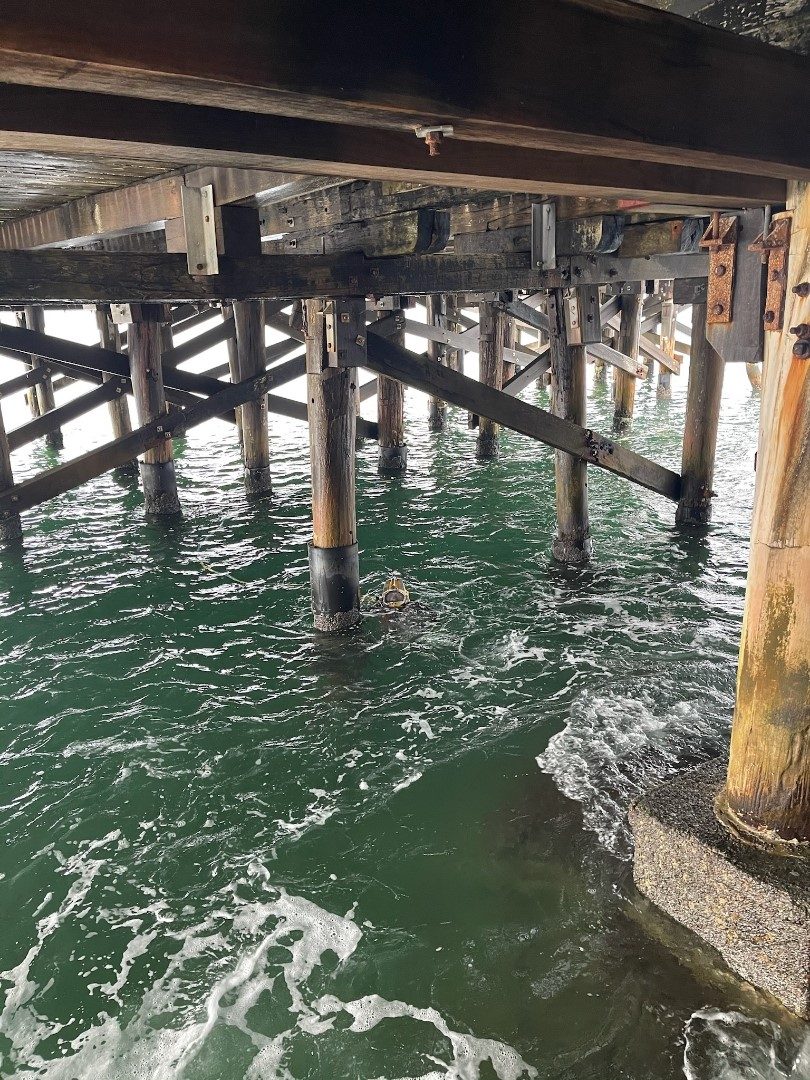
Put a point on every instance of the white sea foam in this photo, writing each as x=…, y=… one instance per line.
x=614, y=748
x=732, y=1046
x=176, y=1020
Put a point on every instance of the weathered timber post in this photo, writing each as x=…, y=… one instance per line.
x=333, y=558
x=393, y=457
x=572, y=542
x=249, y=319
x=700, y=429
x=624, y=384
x=31, y=398
x=233, y=367
x=724, y=849
x=510, y=339
x=435, y=315
x=455, y=357
x=768, y=787
x=157, y=464
x=120, y=420
x=664, y=387
x=10, y=527
x=754, y=373
x=35, y=320
x=490, y=357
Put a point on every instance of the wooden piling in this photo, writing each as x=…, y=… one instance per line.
x=435, y=315
x=572, y=541
x=10, y=527
x=767, y=794
x=333, y=558
x=700, y=428
x=455, y=357
x=249, y=319
x=157, y=464
x=120, y=420
x=233, y=365
x=510, y=338
x=490, y=358
x=754, y=373
x=35, y=320
x=624, y=384
x=663, y=388
x=393, y=456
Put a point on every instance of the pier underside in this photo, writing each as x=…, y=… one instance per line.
x=600, y=184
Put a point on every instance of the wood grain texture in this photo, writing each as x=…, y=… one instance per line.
x=705, y=390
x=768, y=788
x=624, y=384
x=292, y=57
x=249, y=319
x=331, y=408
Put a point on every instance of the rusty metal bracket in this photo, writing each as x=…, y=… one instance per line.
x=774, y=245
x=721, y=240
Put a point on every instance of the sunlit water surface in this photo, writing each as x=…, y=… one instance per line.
x=233, y=848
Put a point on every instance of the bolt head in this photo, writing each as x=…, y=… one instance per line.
x=770, y=316
x=718, y=309
x=719, y=270
x=802, y=289
x=801, y=350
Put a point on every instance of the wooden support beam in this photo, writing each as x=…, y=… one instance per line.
x=387, y=358
x=23, y=382
x=200, y=343
x=72, y=474
x=249, y=319
x=572, y=540
x=120, y=420
x=435, y=315
x=50, y=421
x=146, y=373
x=260, y=58
x=35, y=320
x=664, y=386
x=393, y=455
x=90, y=277
x=767, y=795
x=490, y=361
x=333, y=555
x=10, y=527
x=412, y=232
x=700, y=431
x=529, y=374
x=624, y=384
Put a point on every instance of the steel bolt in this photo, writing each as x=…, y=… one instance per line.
x=802, y=289
x=770, y=316
x=718, y=309
x=801, y=350
x=777, y=275
x=719, y=270
x=801, y=331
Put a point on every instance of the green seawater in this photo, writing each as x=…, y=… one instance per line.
x=235, y=848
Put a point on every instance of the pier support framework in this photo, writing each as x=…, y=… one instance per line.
x=727, y=852
x=333, y=555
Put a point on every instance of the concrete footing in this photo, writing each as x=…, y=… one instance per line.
x=751, y=905
x=159, y=489
x=393, y=459
x=258, y=482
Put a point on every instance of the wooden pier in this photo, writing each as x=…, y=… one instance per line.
x=260, y=170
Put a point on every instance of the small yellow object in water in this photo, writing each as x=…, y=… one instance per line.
x=395, y=595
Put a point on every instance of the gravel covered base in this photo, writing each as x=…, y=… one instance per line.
x=753, y=907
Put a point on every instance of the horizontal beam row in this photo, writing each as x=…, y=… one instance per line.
x=100, y=276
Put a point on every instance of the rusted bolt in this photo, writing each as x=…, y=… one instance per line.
x=433, y=140
x=801, y=331
x=344, y=316
x=718, y=309
x=200, y=266
x=360, y=340
x=801, y=349
x=719, y=270
x=777, y=275
x=769, y=316
x=802, y=289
